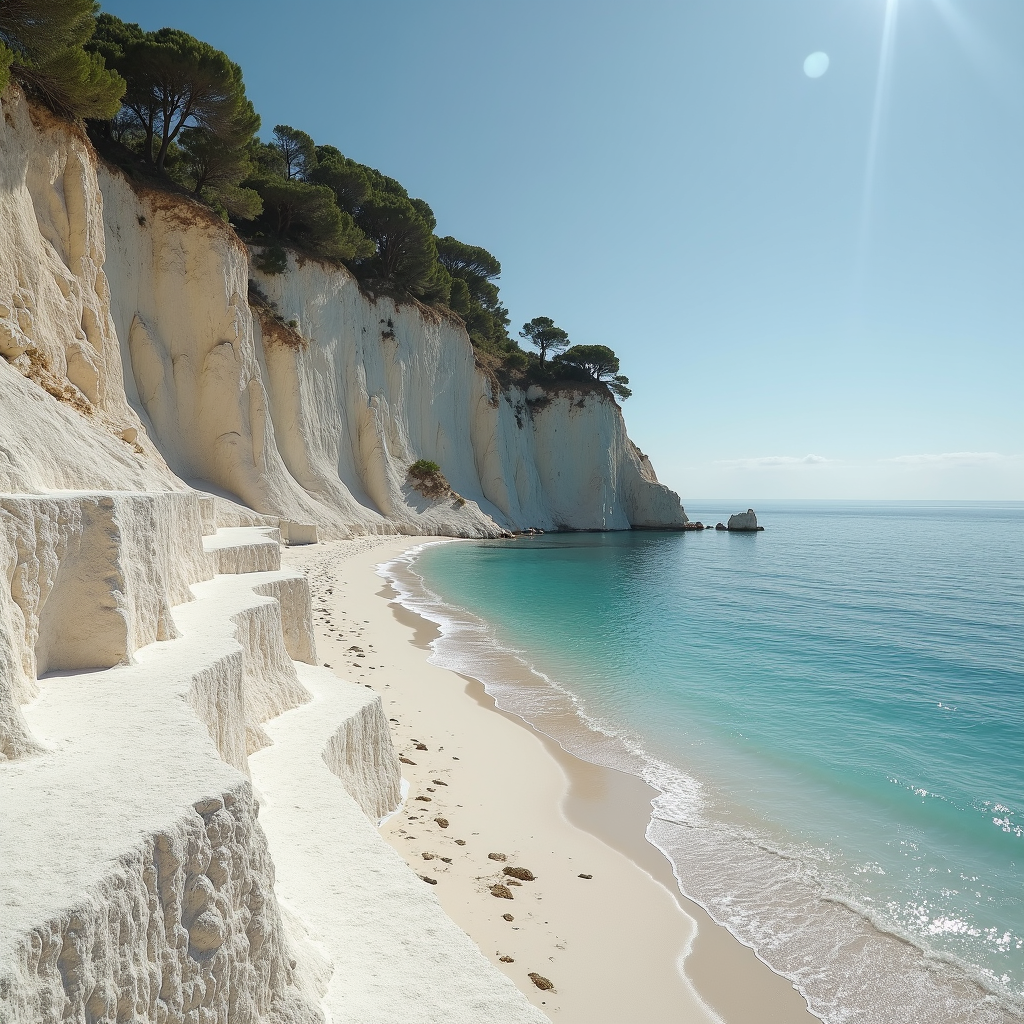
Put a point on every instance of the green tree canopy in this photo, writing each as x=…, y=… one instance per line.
x=298, y=207
x=308, y=215
x=298, y=151
x=212, y=166
x=599, y=363
x=469, y=262
x=542, y=333
x=174, y=81
x=42, y=42
x=347, y=179
x=474, y=295
x=405, y=252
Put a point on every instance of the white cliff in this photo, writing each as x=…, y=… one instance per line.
x=130, y=306
x=154, y=439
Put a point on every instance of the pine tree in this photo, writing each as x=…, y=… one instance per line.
x=42, y=44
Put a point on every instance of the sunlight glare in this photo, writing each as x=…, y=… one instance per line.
x=881, y=88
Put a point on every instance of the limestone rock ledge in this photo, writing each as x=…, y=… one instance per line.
x=137, y=881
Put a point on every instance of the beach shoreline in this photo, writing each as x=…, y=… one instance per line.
x=563, y=819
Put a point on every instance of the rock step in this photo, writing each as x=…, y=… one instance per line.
x=244, y=549
x=137, y=882
x=322, y=776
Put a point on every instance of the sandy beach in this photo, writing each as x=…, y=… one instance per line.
x=539, y=856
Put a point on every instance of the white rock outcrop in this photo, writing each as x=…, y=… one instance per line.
x=137, y=882
x=743, y=521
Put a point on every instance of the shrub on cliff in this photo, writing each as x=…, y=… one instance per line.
x=427, y=478
x=43, y=44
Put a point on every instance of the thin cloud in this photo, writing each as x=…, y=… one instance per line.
x=952, y=459
x=770, y=461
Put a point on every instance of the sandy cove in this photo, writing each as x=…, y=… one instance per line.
x=601, y=920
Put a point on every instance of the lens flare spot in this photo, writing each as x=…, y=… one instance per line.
x=816, y=65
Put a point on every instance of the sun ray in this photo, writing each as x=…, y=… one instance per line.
x=989, y=61
x=885, y=62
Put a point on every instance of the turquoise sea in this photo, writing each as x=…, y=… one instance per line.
x=832, y=710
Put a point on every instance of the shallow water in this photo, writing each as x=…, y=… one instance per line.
x=833, y=710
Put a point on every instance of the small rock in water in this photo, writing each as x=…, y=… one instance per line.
x=429, y=880
x=584, y=876
x=425, y=799
x=523, y=874
x=447, y=860
x=460, y=842
x=442, y=822
x=496, y=856
x=744, y=521
x=421, y=746
x=405, y=760
x=508, y=917
x=540, y=981
x=506, y=959
x=427, y=856
x=503, y=892
x=438, y=782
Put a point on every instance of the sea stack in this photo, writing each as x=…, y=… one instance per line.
x=744, y=522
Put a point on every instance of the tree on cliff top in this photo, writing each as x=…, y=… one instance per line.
x=296, y=210
x=346, y=178
x=213, y=165
x=542, y=333
x=598, y=362
x=308, y=216
x=402, y=230
x=297, y=149
x=474, y=295
x=175, y=81
x=42, y=42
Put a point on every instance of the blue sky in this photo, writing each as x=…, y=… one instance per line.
x=798, y=318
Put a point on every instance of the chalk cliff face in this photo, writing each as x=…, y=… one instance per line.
x=131, y=307
x=138, y=883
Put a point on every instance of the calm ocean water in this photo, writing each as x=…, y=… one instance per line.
x=833, y=711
